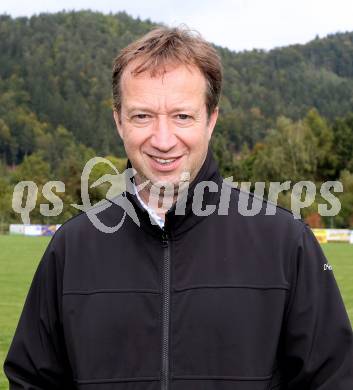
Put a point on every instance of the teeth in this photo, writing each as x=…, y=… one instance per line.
x=163, y=161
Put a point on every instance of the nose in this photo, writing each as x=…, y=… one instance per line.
x=163, y=137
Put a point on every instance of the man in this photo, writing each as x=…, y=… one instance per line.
x=195, y=295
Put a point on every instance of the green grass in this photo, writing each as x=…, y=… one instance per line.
x=340, y=256
x=20, y=255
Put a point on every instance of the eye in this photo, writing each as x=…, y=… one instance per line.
x=183, y=119
x=183, y=116
x=141, y=118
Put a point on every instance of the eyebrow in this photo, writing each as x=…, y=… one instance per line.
x=138, y=108
x=147, y=109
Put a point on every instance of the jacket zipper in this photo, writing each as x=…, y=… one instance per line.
x=165, y=313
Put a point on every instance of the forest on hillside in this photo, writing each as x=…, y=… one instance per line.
x=286, y=114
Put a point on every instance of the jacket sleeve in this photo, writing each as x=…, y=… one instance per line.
x=318, y=340
x=37, y=356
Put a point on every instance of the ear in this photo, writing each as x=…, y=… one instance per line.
x=117, y=120
x=212, y=122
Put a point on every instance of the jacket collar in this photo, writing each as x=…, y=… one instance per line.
x=181, y=217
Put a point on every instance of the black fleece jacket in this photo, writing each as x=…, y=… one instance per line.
x=210, y=302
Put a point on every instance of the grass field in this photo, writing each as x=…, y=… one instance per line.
x=19, y=257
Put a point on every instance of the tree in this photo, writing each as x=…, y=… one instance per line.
x=324, y=149
x=288, y=153
x=6, y=141
x=343, y=141
x=344, y=218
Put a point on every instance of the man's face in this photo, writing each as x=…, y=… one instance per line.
x=163, y=123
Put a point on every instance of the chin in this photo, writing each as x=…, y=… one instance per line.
x=164, y=180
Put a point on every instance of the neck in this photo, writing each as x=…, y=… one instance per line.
x=159, y=198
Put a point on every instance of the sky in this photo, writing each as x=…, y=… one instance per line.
x=236, y=24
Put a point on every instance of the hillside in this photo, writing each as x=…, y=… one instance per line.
x=55, y=74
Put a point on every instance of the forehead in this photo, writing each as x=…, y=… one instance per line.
x=174, y=83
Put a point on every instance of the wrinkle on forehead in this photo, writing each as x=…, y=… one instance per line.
x=165, y=90
x=159, y=68
x=158, y=73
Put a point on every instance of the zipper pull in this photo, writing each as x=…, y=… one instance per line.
x=165, y=238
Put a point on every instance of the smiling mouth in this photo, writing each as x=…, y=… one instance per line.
x=164, y=161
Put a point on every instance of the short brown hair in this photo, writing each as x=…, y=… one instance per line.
x=164, y=46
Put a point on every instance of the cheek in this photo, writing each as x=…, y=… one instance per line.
x=134, y=138
x=195, y=138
